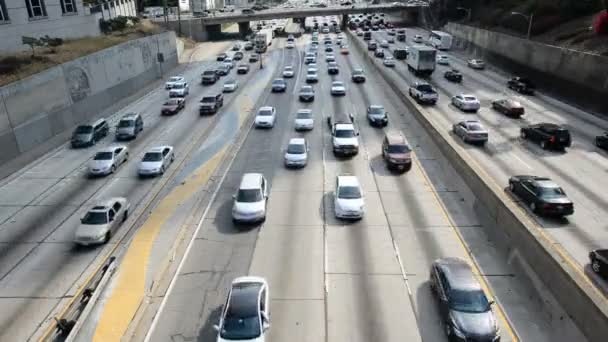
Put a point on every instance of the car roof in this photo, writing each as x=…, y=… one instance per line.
x=106, y=204
x=251, y=181
x=348, y=180
x=304, y=111
x=395, y=138
x=459, y=274
x=111, y=148
x=297, y=141
x=545, y=183
x=550, y=126
x=265, y=108
x=158, y=148
x=376, y=106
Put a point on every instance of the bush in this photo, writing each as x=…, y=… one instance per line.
x=117, y=24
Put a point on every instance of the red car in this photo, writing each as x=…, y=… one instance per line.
x=173, y=106
x=508, y=107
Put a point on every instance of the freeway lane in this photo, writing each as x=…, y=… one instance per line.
x=40, y=266
x=580, y=170
x=339, y=281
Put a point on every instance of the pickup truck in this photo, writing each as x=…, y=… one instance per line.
x=211, y=103
x=599, y=262
x=423, y=92
x=521, y=85
x=344, y=136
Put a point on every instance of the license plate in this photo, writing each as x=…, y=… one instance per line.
x=560, y=207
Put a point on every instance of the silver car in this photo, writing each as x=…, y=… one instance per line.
x=156, y=161
x=101, y=221
x=230, y=86
x=471, y=131
x=296, y=154
x=108, y=160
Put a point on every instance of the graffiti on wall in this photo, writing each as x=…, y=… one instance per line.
x=78, y=83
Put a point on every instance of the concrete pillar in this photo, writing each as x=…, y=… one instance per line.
x=344, y=22
x=244, y=28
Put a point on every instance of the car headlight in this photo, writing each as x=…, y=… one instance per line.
x=100, y=236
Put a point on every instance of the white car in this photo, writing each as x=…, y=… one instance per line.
x=180, y=89
x=443, y=60
x=229, y=62
x=417, y=38
x=246, y=315
x=156, y=161
x=330, y=58
x=476, y=64
x=296, y=154
x=338, y=88
x=290, y=45
x=173, y=80
x=288, y=72
x=250, y=199
x=311, y=75
x=108, y=160
x=266, y=117
x=230, y=86
x=388, y=61
x=466, y=102
x=101, y=221
x=348, y=199
x=384, y=44
x=304, y=120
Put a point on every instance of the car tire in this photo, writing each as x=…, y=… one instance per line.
x=543, y=144
x=113, y=169
x=107, y=237
x=533, y=207
x=596, y=266
x=523, y=134
x=126, y=157
x=125, y=216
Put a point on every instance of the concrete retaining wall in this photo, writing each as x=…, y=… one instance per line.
x=39, y=108
x=507, y=223
x=580, y=78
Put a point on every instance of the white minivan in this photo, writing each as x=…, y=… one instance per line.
x=250, y=199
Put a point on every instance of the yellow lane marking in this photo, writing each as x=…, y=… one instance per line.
x=481, y=279
x=130, y=285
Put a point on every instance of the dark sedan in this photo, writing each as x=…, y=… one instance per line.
x=307, y=94
x=221, y=57
x=508, y=107
x=173, y=105
x=601, y=141
x=547, y=135
x=542, y=195
x=453, y=76
x=279, y=85
x=599, y=262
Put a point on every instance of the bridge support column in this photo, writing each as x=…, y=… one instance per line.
x=244, y=29
x=344, y=21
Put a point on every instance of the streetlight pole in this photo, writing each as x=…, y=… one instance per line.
x=468, y=10
x=529, y=18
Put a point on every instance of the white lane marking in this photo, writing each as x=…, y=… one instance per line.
x=407, y=283
x=521, y=161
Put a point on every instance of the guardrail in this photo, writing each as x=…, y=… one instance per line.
x=583, y=302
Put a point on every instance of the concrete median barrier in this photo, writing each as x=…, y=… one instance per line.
x=565, y=279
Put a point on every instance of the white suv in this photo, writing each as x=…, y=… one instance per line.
x=348, y=199
x=266, y=117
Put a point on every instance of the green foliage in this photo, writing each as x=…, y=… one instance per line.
x=42, y=41
x=117, y=24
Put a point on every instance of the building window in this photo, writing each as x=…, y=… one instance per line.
x=68, y=6
x=35, y=8
x=3, y=12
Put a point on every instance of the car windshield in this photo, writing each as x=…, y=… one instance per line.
x=153, y=157
x=337, y=84
x=345, y=133
x=358, y=72
x=84, y=129
x=230, y=82
x=171, y=102
x=278, y=82
x=470, y=98
x=174, y=79
x=551, y=192
x=249, y=195
x=475, y=127
x=425, y=88
x=265, y=112
x=349, y=192
x=376, y=110
x=296, y=149
x=288, y=68
x=398, y=149
x=208, y=99
x=95, y=217
x=240, y=325
x=103, y=156
x=306, y=90
x=304, y=115
x=209, y=73
x=312, y=71
x=126, y=123
x=179, y=85
x=474, y=301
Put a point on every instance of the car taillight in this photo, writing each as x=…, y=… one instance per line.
x=546, y=205
x=552, y=139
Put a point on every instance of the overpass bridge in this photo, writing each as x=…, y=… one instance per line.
x=204, y=28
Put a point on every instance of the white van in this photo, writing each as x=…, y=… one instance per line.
x=250, y=199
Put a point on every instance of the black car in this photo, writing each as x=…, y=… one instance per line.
x=601, y=141
x=279, y=85
x=372, y=46
x=379, y=53
x=547, y=135
x=222, y=70
x=238, y=56
x=307, y=94
x=329, y=49
x=453, y=76
x=542, y=195
x=254, y=58
x=221, y=57
x=599, y=262
x=358, y=76
x=242, y=69
x=248, y=46
x=464, y=307
x=332, y=68
x=377, y=116
x=521, y=85
x=209, y=77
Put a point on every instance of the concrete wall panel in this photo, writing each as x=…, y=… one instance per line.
x=33, y=133
x=8, y=147
x=5, y=124
x=61, y=121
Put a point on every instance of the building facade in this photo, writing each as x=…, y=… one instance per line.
x=56, y=18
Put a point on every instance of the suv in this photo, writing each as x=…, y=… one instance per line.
x=547, y=135
x=209, y=77
x=88, y=135
x=211, y=103
x=250, y=199
x=129, y=126
x=245, y=316
x=344, y=136
x=423, y=92
x=101, y=221
x=521, y=85
x=396, y=151
x=465, y=309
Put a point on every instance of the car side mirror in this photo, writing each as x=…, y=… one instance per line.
x=111, y=219
x=490, y=303
x=233, y=196
x=82, y=220
x=266, y=325
x=357, y=133
x=216, y=327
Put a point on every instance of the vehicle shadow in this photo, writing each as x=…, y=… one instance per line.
x=207, y=332
x=224, y=224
